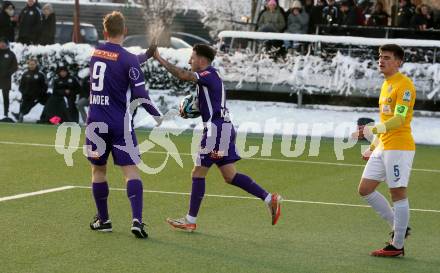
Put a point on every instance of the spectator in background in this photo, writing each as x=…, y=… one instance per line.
x=297, y=22
x=29, y=24
x=8, y=21
x=404, y=14
x=33, y=88
x=48, y=26
x=379, y=17
x=330, y=13
x=83, y=100
x=316, y=16
x=65, y=88
x=423, y=19
x=8, y=65
x=347, y=14
x=272, y=18
x=308, y=6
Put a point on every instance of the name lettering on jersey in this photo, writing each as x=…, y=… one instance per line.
x=108, y=55
x=204, y=73
x=99, y=100
x=407, y=96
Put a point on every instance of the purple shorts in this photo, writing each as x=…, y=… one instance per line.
x=108, y=142
x=218, y=145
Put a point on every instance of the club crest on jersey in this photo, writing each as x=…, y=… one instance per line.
x=389, y=100
x=204, y=73
x=134, y=73
x=36, y=77
x=6, y=56
x=407, y=96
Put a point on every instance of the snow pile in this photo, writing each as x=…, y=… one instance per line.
x=274, y=118
x=342, y=75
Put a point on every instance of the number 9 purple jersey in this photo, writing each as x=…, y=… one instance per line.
x=115, y=80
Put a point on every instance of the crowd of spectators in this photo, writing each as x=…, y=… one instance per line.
x=303, y=16
x=32, y=25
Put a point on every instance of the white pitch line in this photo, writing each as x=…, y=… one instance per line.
x=254, y=198
x=253, y=158
x=24, y=195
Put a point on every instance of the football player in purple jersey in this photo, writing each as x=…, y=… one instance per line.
x=218, y=141
x=116, y=80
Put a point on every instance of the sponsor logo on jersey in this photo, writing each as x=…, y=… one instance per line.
x=108, y=55
x=407, y=96
x=386, y=109
x=401, y=109
x=390, y=88
x=204, y=73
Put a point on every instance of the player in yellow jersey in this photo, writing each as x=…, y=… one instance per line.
x=391, y=153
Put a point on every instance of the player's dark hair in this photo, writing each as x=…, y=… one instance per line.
x=205, y=51
x=114, y=24
x=397, y=50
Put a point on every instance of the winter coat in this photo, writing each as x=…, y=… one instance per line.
x=316, y=18
x=404, y=15
x=7, y=26
x=29, y=25
x=418, y=20
x=378, y=19
x=271, y=21
x=330, y=15
x=298, y=23
x=348, y=18
x=85, y=88
x=48, y=30
x=56, y=105
x=33, y=85
x=8, y=65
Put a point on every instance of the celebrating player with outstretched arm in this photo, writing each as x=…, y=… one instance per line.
x=391, y=153
x=218, y=141
x=116, y=79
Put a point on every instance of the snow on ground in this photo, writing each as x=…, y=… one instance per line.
x=276, y=118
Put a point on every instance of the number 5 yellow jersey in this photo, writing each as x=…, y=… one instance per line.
x=397, y=96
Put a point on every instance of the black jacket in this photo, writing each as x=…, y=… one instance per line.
x=419, y=19
x=33, y=85
x=404, y=15
x=48, y=30
x=29, y=25
x=85, y=88
x=378, y=19
x=348, y=18
x=7, y=27
x=60, y=85
x=330, y=15
x=8, y=65
x=56, y=105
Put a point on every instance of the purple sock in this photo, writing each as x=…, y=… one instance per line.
x=100, y=193
x=249, y=185
x=197, y=192
x=135, y=195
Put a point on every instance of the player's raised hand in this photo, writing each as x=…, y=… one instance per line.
x=151, y=50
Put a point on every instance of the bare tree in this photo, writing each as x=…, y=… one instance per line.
x=159, y=15
x=227, y=14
